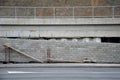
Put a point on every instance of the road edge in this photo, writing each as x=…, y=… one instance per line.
x=60, y=65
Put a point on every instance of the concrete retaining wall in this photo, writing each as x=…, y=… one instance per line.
x=62, y=50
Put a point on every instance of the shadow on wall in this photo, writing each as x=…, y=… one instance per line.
x=111, y=39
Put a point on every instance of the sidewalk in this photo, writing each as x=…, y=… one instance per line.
x=60, y=65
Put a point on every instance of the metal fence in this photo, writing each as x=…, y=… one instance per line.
x=54, y=15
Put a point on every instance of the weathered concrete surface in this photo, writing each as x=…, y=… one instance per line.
x=57, y=31
x=64, y=50
x=60, y=21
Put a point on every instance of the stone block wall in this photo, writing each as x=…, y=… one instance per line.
x=62, y=50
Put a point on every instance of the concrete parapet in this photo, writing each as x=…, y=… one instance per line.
x=60, y=21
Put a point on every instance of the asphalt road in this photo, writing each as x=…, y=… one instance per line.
x=59, y=73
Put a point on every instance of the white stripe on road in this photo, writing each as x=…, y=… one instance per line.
x=20, y=72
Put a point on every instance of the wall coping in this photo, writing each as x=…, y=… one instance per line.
x=58, y=21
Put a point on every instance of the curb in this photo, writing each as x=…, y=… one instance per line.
x=59, y=65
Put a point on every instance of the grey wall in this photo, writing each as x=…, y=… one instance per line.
x=68, y=31
x=62, y=50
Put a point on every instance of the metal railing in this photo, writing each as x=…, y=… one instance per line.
x=5, y=14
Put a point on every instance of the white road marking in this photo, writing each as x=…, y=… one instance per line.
x=19, y=72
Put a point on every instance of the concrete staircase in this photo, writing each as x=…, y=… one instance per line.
x=63, y=50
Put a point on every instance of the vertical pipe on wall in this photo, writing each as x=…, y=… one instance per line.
x=7, y=55
x=48, y=55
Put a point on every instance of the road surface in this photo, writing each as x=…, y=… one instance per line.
x=59, y=73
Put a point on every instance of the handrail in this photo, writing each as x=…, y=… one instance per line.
x=17, y=50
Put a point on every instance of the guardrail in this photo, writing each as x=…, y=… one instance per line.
x=56, y=12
